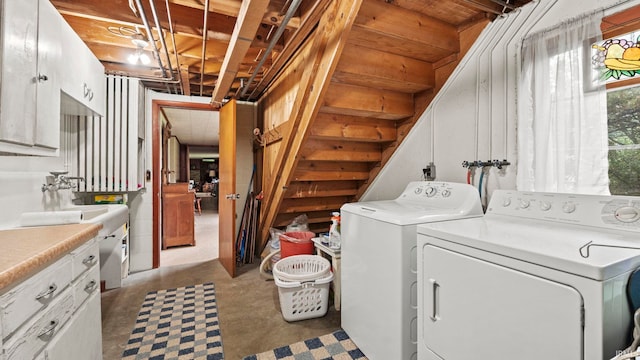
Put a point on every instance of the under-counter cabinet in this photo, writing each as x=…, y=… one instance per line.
x=29, y=78
x=55, y=314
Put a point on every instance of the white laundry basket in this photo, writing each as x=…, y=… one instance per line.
x=307, y=297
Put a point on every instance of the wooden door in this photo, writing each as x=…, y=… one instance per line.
x=227, y=188
x=177, y=215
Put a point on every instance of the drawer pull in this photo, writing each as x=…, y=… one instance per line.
x=91, y=285
x=48, y=331
x=53, y=287
x=89, y=260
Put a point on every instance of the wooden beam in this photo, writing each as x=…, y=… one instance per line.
x=293, y=44
x=327, y=204
x=185, y=80
x=328, y=42
x=352, y=128
x=243, y=33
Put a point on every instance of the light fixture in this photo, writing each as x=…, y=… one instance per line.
x=139, y=56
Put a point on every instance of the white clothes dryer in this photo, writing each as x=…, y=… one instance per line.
x=379, y=263
x=540, y=276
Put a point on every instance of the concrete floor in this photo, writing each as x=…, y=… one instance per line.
x=248, y=305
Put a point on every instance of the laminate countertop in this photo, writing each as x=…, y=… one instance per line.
x=25, y=251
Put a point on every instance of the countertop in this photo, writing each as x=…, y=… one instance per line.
x=25, y=251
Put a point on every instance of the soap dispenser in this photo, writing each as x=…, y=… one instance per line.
x=334, y=231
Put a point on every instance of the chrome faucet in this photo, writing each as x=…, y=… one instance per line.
x=58, y=180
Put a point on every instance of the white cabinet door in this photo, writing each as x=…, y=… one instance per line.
x=48, y=92
x=82, y=337
x=19, y=24
x=473, y=309
x=83, y=77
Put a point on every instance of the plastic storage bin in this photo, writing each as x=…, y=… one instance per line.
x=307, y=297
x=296, y=243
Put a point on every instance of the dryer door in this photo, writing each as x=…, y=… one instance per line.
x=475, y=309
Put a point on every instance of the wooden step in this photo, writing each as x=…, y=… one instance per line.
x=355, y=128
x=318, y=150
x=382, y=70
x=313, y=204
x=331, y=170
x=302, y=189
x=367, y=102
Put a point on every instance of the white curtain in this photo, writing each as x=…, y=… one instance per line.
x=562, y=115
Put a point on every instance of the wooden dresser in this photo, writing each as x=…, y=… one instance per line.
x=177, y=215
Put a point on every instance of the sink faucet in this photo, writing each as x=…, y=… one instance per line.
x=58, y=180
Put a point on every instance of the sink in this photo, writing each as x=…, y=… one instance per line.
x=89, y=211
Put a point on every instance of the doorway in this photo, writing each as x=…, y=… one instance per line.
x=185, y=139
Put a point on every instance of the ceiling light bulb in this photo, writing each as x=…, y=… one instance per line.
x=133, y=58
x=144, y=59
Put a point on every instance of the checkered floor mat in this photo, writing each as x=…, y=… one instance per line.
x=335, y=346
x=177, y=323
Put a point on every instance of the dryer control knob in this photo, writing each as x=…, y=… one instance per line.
x=446, y=193
x=524, y=204
x=506, y=202
x=545, y=205
x=430, y=191
x=569, y=207
x=627, y=214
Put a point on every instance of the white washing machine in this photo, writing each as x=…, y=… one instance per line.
x=379, y=263
x=540, y=276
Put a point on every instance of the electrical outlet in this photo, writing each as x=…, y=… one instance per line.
x=429, y=172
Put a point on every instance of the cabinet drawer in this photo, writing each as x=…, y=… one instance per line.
x=84, y=257
x=35, y=293
x=37, y=334
x=86, y=285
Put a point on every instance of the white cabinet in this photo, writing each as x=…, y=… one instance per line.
x=114, y=257
x=55, y=314
x=29, y=78
x=83, y=80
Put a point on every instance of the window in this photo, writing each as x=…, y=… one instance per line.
x=623, y=113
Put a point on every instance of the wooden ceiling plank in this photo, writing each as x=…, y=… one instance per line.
x=233, y=8
x=185, y=80
x=243, y=33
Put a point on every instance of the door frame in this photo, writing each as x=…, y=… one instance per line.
x=156, y=148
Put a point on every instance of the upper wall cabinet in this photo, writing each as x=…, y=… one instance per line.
x=29, y=80
x=83, y=78
x=34, y=68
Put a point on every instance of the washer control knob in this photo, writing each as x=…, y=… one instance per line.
x=446, y=193
x=430, y=191
x=524, y=204
x=506, y=202
x=418, y=190
x=627, y=214
x=569, y=207
x=545, y=205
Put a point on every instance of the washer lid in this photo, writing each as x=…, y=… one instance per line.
x=421, y=202
x=553, y=245
x=406, y=212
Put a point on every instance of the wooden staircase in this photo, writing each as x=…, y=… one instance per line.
x=351, y=95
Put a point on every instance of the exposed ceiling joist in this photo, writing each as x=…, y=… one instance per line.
x=249, y=20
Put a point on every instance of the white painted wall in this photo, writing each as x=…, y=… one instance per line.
x=474, y=116
x=21, y=179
